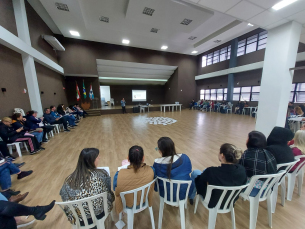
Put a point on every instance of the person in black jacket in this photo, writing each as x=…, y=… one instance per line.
x=52, y=120
x=277, y=144
x=228, y=174
x=70, y=118
x=9, y=135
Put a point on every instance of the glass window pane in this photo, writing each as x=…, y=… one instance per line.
x=245, y=97
x=209, y=61
x=251, y=47
x=213, y=90
x=252, y=39
x=256, y=89
x=207, y=91
x=226, y=90
x=229, y=55
x=263, y=35
x=236, y=90
x=255, y=97
x=216, y=57
x=213, y=96
x=291, y=97
x=229, y=48
x=219, y=96
x=241, y=51
x=210, y=55
x=292, y=87
x=263, y=46
x=241, y=43
x=201, y=92
x=236, y=97
x=301, y=87
x=220, y=90
x=300, y=97
x=201, y=97
x=204, y=61
x=224, y=96
x=222, y=57
x=207, y=97
x=223, y=50
x=245, y=89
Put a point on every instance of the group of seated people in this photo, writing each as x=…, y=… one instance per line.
x=236, y=168
x=32, y=131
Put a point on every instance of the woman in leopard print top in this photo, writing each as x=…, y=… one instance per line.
x=87, y=181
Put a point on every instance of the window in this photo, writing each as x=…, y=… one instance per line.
x=300, y=93
x=207, y=95
x=213, y=94
x=229, y=52
x=201, y=97
x=219, y=94
x=204, y=61
x=216, y=57
x=223, y=54
x=236, y=93
x=245, y=93
x=251, y=44
x=255, y=93
x=210, y=58
x=225, y=93
x=241, y=47
x=201, y=94
x=262, y=40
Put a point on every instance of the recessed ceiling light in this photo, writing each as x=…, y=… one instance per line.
x=74, y=33
x=249, y=24
x=125, y=41
x=164, y=47
x=194, y=51
x=282, y=4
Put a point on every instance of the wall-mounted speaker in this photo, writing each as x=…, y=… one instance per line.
x=42, y=92
x=54, y=93
x=3, y=89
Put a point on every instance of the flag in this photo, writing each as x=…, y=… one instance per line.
x=84, y=90
x=77, y=92
x=91, y=95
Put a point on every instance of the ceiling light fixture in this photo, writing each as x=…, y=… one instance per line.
x=74, y=33
x=282, y=4
x=164, y=47
x=125, y=41
x=194, y=51
x=249, y=24
x=186, y=21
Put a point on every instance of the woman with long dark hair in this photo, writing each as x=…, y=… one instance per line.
x=86, y=181
x=172, y=166
x=136, y=175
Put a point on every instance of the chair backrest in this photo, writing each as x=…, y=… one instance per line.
x=19, y=110
x=143, y=203
x=301, y=165
x=223, y=204
x=269, y=181
x=78, y=204
x=286, y=167
x=171, y=188
x=176, y=102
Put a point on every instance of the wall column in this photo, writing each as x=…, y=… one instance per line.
x=232, y=64
x=28, y=61
x=280, y=55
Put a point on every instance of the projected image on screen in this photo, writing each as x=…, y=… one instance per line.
x=138, y=95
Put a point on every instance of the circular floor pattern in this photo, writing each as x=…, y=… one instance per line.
x=160, y=121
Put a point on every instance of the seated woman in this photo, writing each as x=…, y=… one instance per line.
x=86, y=181
x=19, y=121
x=9, y=135
x=10, y=213
x=298, y=111
x=277, y=144
x=172, y=166
x=257, y=160
x=135, y=176
x=71, y=119
x=33, y=123
x=298, y=148
x=230, y=173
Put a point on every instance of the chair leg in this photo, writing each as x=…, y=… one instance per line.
x=130, y=220
x=300, y=182
x=269, y=208
x=111, y=214
x=196, y=203
x=161, y=212
x=18, y=150
x=283, y=192
x=26, y=147
x=152, y=218
x=233, y=218
x=254, y=204
x=274, y=197
x=182, y=214
x=212, y=219
x=291, y=184
x=10, y=149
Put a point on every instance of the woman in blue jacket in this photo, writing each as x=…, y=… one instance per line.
x=172, y=166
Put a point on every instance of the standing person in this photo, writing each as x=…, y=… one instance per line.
x=86, y=181
x=50, y=119
x=123, y=103
x=192, y=104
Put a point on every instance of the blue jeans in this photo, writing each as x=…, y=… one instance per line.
x=2, y=197
x=71, y=120
x=6, y=170
x=194, y=174
x=38, y=136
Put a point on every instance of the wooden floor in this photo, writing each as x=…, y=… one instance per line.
x=197, y=134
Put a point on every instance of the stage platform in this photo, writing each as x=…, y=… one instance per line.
x=105, y=110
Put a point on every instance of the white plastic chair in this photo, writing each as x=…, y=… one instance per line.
x=18, y=147
x=255, y=112
x=142, y=109
x=230, y=108
x=264, y=193
x=281, y=182
x=136, y=208
x=298, y=172
x=19, y=110
x=72, y=205
x=221, y=206
x=243, y=112
x=178, y=203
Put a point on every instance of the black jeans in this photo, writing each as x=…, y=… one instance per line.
x=8, y=210
x=46, y=129
x=124, y=109
x=3, y=149
x=63, y=121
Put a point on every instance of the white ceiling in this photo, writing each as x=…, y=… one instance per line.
x=133, y=73
x=126, y=20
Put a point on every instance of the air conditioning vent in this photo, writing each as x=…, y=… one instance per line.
x=154, y=30
x=186, y=21
x=148, y=11
x=217, y=41
x=192, y=38
x=104, y=19
x=62, y=6
x=53, y=42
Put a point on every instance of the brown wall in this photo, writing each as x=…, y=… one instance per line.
x=7, y=17
x=80, y=58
